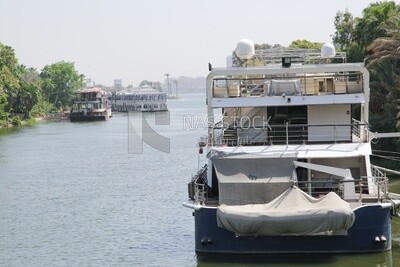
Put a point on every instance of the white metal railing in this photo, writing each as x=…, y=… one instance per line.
x=199, y=183
x=376, y=172
x=380, y=180
x=275, y=55
x=356, y=130
x=200, y=193
x=288, y=134
x=359, y=130
x=315, y=84
x=321, y=188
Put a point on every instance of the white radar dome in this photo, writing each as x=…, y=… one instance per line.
x=245, y=49
x=328, y=50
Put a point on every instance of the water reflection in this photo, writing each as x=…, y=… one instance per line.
x=383, y=259
x=7, y=130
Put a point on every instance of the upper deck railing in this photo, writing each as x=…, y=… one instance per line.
x=287, y=134
x=297, y=55
x=277, y=85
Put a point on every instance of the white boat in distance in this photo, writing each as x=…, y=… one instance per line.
x=145, y=99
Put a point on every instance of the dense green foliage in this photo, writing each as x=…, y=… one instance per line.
x=305, y=44
x=266, y=46
x=376, y=37
x=60, y=82
x=27, y=92
x=9, y=79
x=344, y=24
x=353, y=35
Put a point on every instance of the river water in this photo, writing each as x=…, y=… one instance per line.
x=71, y=194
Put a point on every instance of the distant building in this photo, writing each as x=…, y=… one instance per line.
x=118, y=84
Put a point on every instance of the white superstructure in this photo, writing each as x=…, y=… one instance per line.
x=141, y=99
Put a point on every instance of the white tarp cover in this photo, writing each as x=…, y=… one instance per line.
x=245, y=179
x=292, y=213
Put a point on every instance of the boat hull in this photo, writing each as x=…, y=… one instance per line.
x=79, y=117
x=371, y=222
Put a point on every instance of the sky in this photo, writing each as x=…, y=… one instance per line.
x=137, y=40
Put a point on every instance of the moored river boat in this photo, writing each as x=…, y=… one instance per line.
x=90, y=104
x=143, y=99
x=288, y=159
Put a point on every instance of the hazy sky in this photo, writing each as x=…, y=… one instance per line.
x=136, y=40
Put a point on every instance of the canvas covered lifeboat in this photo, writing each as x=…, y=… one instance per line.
x=292, y=213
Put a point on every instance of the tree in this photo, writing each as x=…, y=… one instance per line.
x=369, y=26
x=155, y=85
x=9, y=77
x=60, y=82
x=22, y=89
x=385, y=85
x=376, y=36
x=386, y=48
x=262, y=46
x=354, y=34
x=30, y=93
x=28, y=97
x=384, y=62
x=344, y=36
x=305, y=44
x=344, y=25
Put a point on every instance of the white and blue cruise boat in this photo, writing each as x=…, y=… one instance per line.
x=288, y=159
x=144, y=99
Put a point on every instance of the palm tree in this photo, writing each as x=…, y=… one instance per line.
x=10, y=76
x=384, y=61
x=386, y=48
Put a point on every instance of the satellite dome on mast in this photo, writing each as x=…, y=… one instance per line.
x=328, y=50
x=245, y=49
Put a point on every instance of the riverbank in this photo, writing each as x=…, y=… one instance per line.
x=31, y=121
x=17, y=123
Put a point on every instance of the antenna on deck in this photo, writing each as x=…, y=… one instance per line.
x=328, y=50
x=245, y=49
